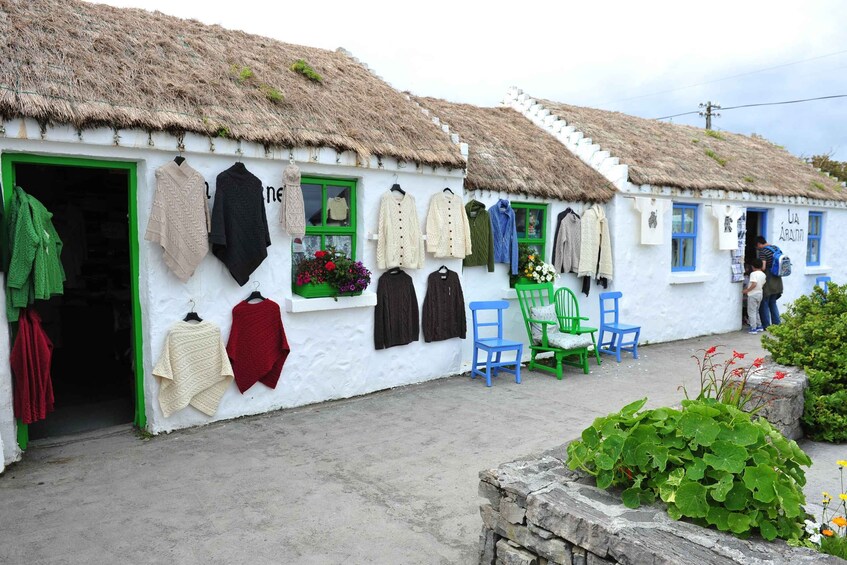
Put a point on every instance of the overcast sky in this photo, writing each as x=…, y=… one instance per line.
x=647, y=58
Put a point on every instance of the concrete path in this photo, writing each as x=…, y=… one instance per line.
x=387, y=478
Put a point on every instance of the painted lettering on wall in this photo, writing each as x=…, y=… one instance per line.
x=273, y=194
x=792, y=231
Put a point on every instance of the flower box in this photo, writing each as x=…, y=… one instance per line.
x=320, y=290
x=520, y=280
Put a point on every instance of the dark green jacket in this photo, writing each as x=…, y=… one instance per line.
x=482, y=240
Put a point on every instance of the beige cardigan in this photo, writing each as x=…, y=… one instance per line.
x=595, y=256
x=400, y=242
x=193, y=369
x=179, y=219
x=448, y=232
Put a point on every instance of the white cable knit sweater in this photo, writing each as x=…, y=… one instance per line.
x=193, y=369
x=179, y=219
x=596, y=243
x=400, y=242
x=448, y=232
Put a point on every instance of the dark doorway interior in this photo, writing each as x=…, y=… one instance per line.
x=91, y=324
x=755, y=226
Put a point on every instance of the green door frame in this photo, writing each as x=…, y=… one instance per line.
x=9, y=160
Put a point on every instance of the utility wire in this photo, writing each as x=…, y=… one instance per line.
x=725, y=78
x=760, y=104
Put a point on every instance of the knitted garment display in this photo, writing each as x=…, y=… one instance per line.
x=193, y=369
x=482, y=240
x=396, y=316
x=595, y=256
x=505, y=234
x=292, y=212
x=444, y=307
x=179, y=218
x=239, y=235
x=337, y=209
x=400, y=242
x=35, y=269
x=257, y=345
x=30, y=361
x=448, y=233
x=568, y=244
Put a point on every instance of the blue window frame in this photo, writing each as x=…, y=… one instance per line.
x=684, y=238
x=813, y=245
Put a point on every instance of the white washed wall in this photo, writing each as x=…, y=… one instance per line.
x=332, y=351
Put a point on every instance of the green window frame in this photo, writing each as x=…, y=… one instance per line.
x=531, y=225
x=322, y=230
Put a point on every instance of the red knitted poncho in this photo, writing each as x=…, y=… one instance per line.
x=257, y=346
x=30, y=360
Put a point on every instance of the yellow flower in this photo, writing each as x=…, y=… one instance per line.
x=842, y=463
x=839, y=521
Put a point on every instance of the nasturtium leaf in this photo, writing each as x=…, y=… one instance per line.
x=761, y=457
x=768, y=530
x=760, y=480
x=738, y=522
x=674, y=512
x=659, y=414
x=691, y=500
x=609, y=427
x=590, y=437
x=721, y=488
x=667, y=493
x=799, y=456
x=791, y=499
x=604, y=461
x=695, y=470
x=631, y=497
x=726, y=457
x=704, y=409
x=740, y=433
x=737, y=497
x=702, y=429
x=675, y=477
x=633, y=407
x=604, y=478
x=718, y=517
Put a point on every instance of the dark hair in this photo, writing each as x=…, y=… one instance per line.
x=757, y=263
x=761, y=239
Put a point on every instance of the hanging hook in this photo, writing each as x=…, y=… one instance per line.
x=255, y=285
x=193, y=304
x=291, y=155
x=238, y=150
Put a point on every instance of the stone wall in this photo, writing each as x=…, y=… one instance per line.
x=781, y=400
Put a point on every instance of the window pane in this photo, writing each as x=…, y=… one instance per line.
x=535, y=224
x=520, y=221
x=688, y=252
x=688, y=222
x=343, y=243
x=313, y=204
x=675, y=252
x=812, y=256
x=814, y=224
x=677, y=220
x=337, y=206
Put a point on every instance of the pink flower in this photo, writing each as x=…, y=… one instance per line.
x=779, y=376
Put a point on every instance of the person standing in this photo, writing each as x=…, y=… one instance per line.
x=769, y=310
x=754, y=296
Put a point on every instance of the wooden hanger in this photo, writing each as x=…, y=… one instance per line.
x=192, y=315
x=255, y=294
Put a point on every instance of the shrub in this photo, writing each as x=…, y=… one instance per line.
x=709, y=462
x=302, y=67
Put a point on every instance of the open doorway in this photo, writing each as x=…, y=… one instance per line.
x=91, y=324
x=756, y=225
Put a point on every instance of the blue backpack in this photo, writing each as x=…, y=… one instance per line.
x=780, y=264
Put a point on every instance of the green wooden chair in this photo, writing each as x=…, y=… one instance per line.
x=548, y=333
x=567, y=310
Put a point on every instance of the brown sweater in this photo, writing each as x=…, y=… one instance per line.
x=396, y=312
x=444, y=307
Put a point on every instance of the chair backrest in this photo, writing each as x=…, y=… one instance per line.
x=822, y=282
x=609, y=307
x=531, y=296
x=483, y=306
x=567, y=309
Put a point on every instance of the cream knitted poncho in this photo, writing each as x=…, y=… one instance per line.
x=179, y=219
x=400, y=241
x=448, y=233
x=193, y=369
x=595, y=255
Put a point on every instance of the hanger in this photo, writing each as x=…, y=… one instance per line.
x=255, y=294
x=179, y=159
x=447, y=189
x=443, y=270
x=192, y=315
x=394, y=271
x=396, y=187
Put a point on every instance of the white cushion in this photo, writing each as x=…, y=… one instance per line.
x=543, y=313
x=555, y=338
x=568, y=341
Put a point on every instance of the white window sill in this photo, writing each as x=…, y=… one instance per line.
x=297, y=304
x=508, y=294
x=821, y=270
x=689, y=278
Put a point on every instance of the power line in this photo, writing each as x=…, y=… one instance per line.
x=725, y=78
x=758, y=104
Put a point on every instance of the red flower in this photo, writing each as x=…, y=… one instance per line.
x=779, y=376
x=320, y=254
x=738, y=355
x=330, y=266
x=738, y=372
x=711, y=350
x=758, y=362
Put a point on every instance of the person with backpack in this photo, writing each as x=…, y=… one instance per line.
x=769, y=311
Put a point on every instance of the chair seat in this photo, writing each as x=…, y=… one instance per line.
x=567, y=341
x=620, y=327
x=495, y=343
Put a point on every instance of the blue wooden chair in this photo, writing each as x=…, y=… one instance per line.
x=610, y=323
x=494, y=345
x=822, y=282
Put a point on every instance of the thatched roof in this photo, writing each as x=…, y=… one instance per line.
x=508, y=153
x=90, y=65
x=667, y=154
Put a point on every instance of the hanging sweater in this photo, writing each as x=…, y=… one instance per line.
x=193, y=368
x=400, y=243
x=257, y=345
x=239, y=235
x=444, y=307
x=482, y=241
x=448, y=233
x=567, y=246
x=179, y=219
x=505, y=234
x=30, y=360
x=595, y=256
x=292, y=212
x=396, y=316
x=35, y=267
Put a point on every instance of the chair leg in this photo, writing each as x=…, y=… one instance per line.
x=559, y=366
x=618, y=348
x=488, y=370
x=596, y=351
x=497, y=362
x=635, y=345
x=583, y=355
x=475, y=360
x=518, y=364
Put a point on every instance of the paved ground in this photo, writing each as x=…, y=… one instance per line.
x=387, y=478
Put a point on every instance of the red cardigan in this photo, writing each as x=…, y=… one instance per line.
x=30, y=361
x=257, y=346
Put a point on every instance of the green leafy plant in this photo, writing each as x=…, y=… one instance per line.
x=272, y=93
x=829, y=535
x=302, y=67
x=749, y=179
x=708, y=462
x=241, y=73
x=713, y=133
x=811, y=335
x=222, y=131
x=720, y=161
x=838, y=169
x=818, y=185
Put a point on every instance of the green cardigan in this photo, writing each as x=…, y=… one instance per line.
x=482, y=240
x=35, y=267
